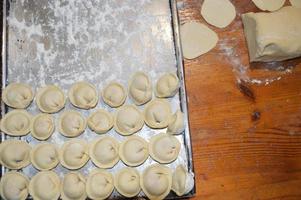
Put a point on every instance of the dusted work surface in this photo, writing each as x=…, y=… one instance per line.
x=246, y=137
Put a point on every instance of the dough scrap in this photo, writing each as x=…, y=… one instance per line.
x=73, y=187
x=176, y=123
x=42, y=126
x=140, y=88
x=50, y=99
x=83, y=95
x=71, y=123
x=182, y=181
x=44, y=156
x=14, y=185
x=114, y=94
x=157, y=113
x=296, y=3
x=167, y=85
x=127, y=182
x=17, y=95
x=101, y=121
x=16, y=123
x=269, y=5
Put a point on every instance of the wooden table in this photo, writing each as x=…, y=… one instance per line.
x=246, y=137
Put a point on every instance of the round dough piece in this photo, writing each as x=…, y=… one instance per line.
x=14, y=185
x=182, y=181
x=127, y=182
x=167, y=85
x=140, y=88
x=73, y=187
x=164, y=148
x=45, y=185
x=296, y=3
x=114, y=94
x=157, y=113
x=219, y=13
x=50, y=99
x=100, y=184
x=133, y=151
x=128, y=120
x=14, y=154
x=42, y=126
x=269, y=5
x=156, y=181
x=196, y=39
x=16, y=123
x=74, y=154
x=101, y=121
x=83, y=95
x=44, y=156
x=71, y=123
x=104, y=152
x=17, y=95
x=176, y=123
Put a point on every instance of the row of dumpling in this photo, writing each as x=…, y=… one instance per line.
x=51, y=99
x=156, y=181
x=127, y=120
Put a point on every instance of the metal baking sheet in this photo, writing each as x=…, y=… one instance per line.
x=64, y=41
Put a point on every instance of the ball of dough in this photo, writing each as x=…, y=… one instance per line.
x=71, y=123
x=44, y=156
x=14, y=154
x=101, y=121
x=42, y=126
x=114, y=94
x=157, y=113
x=140, y=88
x=176, y=123
x=127, y=182
x=167, y=85
x=104, y=152
x=182, y=181
x=269, y=5
x=133, y=151
x=14, y=185
x=17, y=95
x=16, y=123
x=73, y=187
x=83, y=95
x=50, y=99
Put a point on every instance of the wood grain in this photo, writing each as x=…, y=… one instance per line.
x=246, y=138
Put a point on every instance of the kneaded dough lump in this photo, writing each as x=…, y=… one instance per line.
x=74, y=187
x=42, y=126
x=273, y=36
x=14, y=186
x=83, y=95
x=16, y=123
x=50, y=99
x=17, y=95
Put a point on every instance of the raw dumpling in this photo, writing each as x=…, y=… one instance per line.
x=133, y=151
x=42, y=126
x=50, y=99
x=16, y=123
x=167, y=85
x=157, y=113
x=71, y=123
x=100, y=184
x=45, y=185
x=73, y=187
x=14, y=154
x=83, y=95
x=17, y=95
x=140, y=88
x=74, y=154
x=127, y=182
x=114, y=94
x=182, y=181
x=104, y=152
x=44, y=156
x=14, y=186
x=101, y=121
x=128, y=120
x=164, y=148
x=156, y=181
x=176, y=123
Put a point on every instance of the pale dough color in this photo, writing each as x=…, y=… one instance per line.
x=167, y=85
x=182, y=181
x=127, y=182
x=269, y=5
x=42, y=126
x=50, y=99
x=296, y=3
x=176, y=123
x=114, y=94
x=73, y=187
x=16, y=123
x=17, y=95
x=14, y=186
x=71, y=123
x=101, y=121
x=44, y=156
x=140, y=88
x=157, y=113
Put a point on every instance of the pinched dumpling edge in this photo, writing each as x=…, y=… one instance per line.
x=172, y=93
x=36, y=148
x=116, y=181
x=81, y=177
x=188, y=182
x=34, y=134
x=107, y=101
x=176, y=123
x=11, y=87
x=60, y=128
x=93, y=128
x=150, y=88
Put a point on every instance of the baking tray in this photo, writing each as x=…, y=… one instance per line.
x=64, y=41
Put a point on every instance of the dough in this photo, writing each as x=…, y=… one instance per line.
x=128, y=120
x=269, y=5
x=101, y=121
x=273, y=36
x=156, y=181
x=45, y=186
x=164, y=148
x=83, y=95
x=14, y=154
x=100, y=184
x=114, y=94
x=219, y=13
x=104, y=152
x=196, y=39
x=157, y=113
x=14, y=186
x=71, y=123
x=50, y=99
x=182, y=181
x=296, y=3
x=44, y=156
x=16, y=123
x=127, y=182
x=42, y=126
x=133, y=151
x=17, y=95
x=167, y=85
x=74, y=154
x=73, y=187
x=140, y=88
x=176, y=123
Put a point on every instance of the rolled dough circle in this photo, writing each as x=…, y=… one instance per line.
x=269, y=5
x=296, y=3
